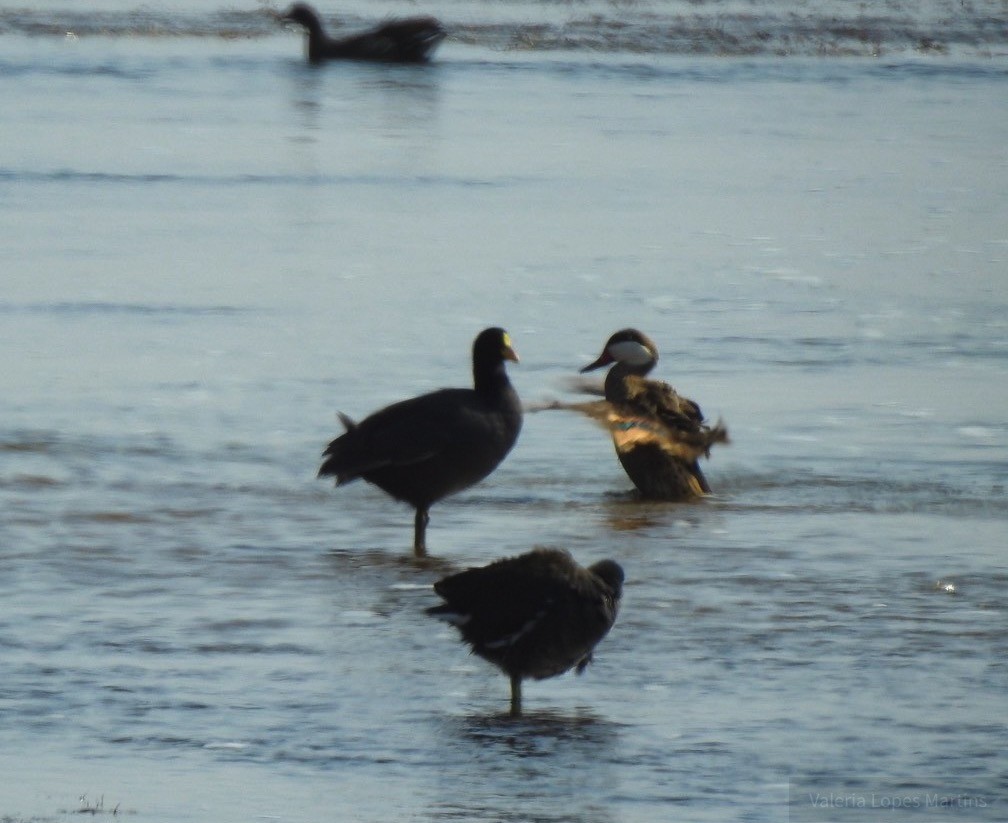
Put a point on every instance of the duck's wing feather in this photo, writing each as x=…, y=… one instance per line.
x=630, y=430
x=596, y=410
x=658, y=399
x=631, y=426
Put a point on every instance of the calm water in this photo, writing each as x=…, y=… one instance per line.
x=207, y=249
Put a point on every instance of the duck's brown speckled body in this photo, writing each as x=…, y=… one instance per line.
x=659, y=435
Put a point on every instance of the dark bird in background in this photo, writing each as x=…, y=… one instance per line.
x=536, y=615
x=659, y=435
x=429, y=447
x=410, y=40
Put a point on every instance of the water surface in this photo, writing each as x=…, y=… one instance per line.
x=209, y=248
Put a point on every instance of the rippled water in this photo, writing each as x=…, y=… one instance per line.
x=208, y=249
x=721, y=27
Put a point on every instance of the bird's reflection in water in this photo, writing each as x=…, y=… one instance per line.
x=544, y=765
x=390, y=97
x=626, y=512
x=306, y=101
x=530, y=733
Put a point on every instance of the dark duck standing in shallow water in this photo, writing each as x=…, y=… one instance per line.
x=411, y=40
x=659, y=435
x=426, y=448
x=536, y=615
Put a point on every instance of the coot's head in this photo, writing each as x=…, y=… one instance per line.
x=492, y=347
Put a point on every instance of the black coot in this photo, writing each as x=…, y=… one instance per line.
x=429, y=447
x=536, y=615
x=410, y=40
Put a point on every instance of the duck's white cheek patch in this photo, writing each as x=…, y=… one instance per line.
x=631, y=353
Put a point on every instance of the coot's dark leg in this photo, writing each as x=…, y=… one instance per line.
x=515, y=696
x=420, y=532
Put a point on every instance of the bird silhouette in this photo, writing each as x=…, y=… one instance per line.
x=536, y=615
x=407, y=40
x=426, y=448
